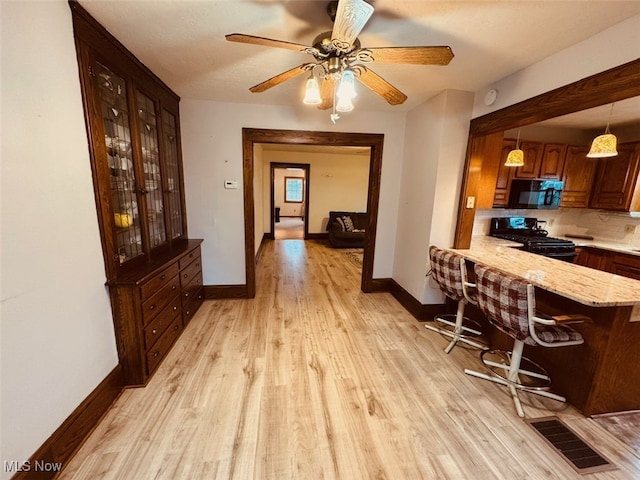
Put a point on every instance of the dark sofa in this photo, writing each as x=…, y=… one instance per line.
x=342, y=234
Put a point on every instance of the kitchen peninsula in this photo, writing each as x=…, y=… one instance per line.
x=603, y=374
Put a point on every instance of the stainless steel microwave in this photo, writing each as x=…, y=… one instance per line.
x=535, y=194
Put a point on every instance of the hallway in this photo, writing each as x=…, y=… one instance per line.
x=314, y=379
x=288, y=228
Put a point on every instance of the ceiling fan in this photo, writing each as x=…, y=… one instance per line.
x=339, y=51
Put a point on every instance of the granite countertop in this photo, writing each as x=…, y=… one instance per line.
x=604, y=245
x=581, y=284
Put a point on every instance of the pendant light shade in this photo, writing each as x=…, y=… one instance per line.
x=516, y=156
x=604, y=145
x=312, y=92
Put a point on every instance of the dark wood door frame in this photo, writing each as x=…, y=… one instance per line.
x=251, y=136
x=307, y=176
x=606, y=87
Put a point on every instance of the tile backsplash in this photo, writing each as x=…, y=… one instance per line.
x=606, y=226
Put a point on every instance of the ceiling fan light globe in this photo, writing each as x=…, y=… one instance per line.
x=347, y=86
x=603, y=146
x=344, y=104
x=312, y=93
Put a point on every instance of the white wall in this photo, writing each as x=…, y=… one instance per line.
x=435, y=146
x=212, y=151
x=57, y=332
x=337, y=182
x=612, y=47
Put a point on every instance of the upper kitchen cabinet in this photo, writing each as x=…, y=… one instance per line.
x=616, y=183
x=132, y=120
x=541, y=160
x=532, y=160
x=505, y=175
x=553, y=158
x=578, y=176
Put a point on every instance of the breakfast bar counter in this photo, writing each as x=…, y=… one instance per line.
x=603, y=374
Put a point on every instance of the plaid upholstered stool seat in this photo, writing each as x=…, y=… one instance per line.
x=450, y=273
x=509, y=304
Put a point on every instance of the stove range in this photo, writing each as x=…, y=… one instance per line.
x=534, y=239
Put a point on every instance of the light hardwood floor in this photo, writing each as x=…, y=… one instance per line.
x=313, y=379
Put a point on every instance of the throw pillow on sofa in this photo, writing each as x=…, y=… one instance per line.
x=348, y=223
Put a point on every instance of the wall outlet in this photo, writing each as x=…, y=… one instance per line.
x=629, y=228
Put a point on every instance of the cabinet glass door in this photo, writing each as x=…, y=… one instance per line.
x=174, y=203
x=112, y=93
x=151, y=168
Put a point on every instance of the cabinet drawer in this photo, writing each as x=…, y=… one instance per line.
x=150, y=287
x=190, y=272
x=164, y=343
x=192, y=306
x=154, y=330
x=191, y=290
x=154, y=305
x=190, y=257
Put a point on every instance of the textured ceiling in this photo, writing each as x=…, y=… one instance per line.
x=183, y=41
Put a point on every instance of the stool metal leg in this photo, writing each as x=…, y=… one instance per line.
x=459, y=332
x=512, y=375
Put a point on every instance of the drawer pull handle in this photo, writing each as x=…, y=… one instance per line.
x=176, y=327
x=191, y=255
x=186, y=275
x=186, y=294
x=155, y=354
x=163, y=276
x=154, y=331
x=175, y=308
x=188, y=313
x=152, y=306
x=174, y=287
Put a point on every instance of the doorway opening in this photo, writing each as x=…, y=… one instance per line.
x=289, y=200
x=251, y=137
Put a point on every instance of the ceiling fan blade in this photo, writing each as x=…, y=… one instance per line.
x=265, y=42
x=326, y=93
x=380, y=86
x=351, y=17
x=278, y=79
x=412, y=55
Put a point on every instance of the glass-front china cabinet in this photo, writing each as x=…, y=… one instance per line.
x=153, y=269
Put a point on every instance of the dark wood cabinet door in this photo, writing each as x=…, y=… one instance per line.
x=578, y=175
x=553, y=157
x=505, y=174
x=626, y=265
x=616, y=178
x=532, y=160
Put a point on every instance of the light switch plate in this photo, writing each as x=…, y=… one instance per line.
x=230, y=184
x=471, y=202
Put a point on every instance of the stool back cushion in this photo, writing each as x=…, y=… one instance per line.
x=503, y=299
x=445, y=268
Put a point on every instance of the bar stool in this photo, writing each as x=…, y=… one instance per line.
x=450, y=273
x=509, y=304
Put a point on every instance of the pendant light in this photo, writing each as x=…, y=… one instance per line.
x=515, y=157
x=604, y=145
